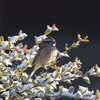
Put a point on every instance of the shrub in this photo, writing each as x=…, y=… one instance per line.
x=15, y=58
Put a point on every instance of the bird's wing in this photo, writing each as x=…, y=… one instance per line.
x=38, y=54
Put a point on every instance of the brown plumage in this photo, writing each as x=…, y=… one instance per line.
x=46, y=54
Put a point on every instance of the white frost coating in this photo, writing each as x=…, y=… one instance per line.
x=86, y=78
x=88, y=93
x=22, y=64
x=55, y=94
x=21, y=98
x=37, y=99
x=4, y=44
x=35, y=47
x=54, y=73
x=1, y=59
x=67, y=66
x=52, y=29
x=40, y=38
x=40, y=88
x=26, y=99
x=46, y=82
x=51, y=88
x=13, y=91
x=66, y=55
x=41, y=94
x=74, y=65
x=98, y=70
x=87, y=73
x=5, y=94
x=13, y=39
x=43, y=37
x=69, y=76
x=27, y=87
x=4, y=78
x=34, y=53
x=11, y=55
x=3, y=52
x=54, y=85
x=29, y=65
x=24, y=74
x=18, y=59
x=7, y=62
x=77, y=43
x=80, y=94
x=11, y=71
x=16, y=82
x=78, y=62
x=1, y=65
x=11, y=45
x=93, y=97
x=30, y=81
x=30, y=57
x=63, y=55
x=39, y=79
x=23, y=35
x=83, y=89
x=25, y=93
x=1, y=86
x=7, y=81
x=66, y=93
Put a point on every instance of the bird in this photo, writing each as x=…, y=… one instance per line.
x=46, y=54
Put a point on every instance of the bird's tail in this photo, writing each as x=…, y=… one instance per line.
x=31, y=74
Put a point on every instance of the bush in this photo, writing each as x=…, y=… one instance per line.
x=16, y=58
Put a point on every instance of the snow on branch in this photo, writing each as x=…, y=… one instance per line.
x=16, y=58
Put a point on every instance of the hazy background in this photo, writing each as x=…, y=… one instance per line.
x=71, y=17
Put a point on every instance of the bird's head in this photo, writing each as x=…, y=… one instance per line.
x=49, y=41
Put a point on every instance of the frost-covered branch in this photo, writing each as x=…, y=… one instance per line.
x=16, y=58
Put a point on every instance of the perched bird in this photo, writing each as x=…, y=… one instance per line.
x=46, y=54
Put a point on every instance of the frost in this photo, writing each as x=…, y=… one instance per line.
x=88, y=94
x=24, y=74
x=5, y=94
x=22, y=34
x=4, y=44
x=54, y=85
x=66, y=93
x=4, y=78
x=7, y=62
x=83, y=89
x=1, y=86
x=98, y=70
x=1, y=59
x=38, y=39
x=16, y=58
x=37, y=99
x=22, y=64
x=13, y=39
x=50, y=29
x=63, y=55
x=28, y=86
